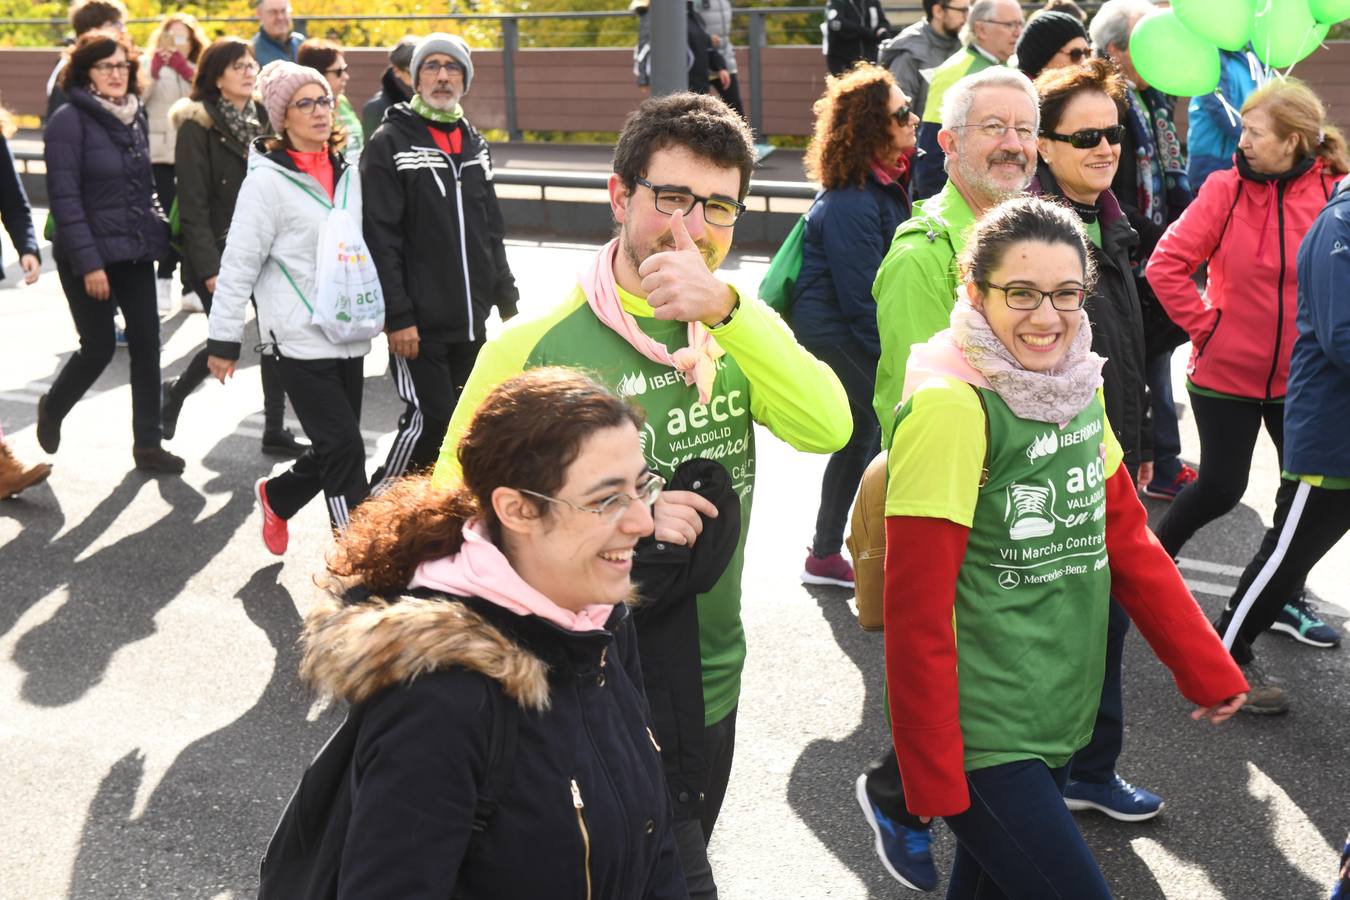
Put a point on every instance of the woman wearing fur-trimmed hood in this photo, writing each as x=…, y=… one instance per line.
x=513, y=594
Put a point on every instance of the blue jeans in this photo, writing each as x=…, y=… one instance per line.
x=1018, y=840
x=1166, y=431
x=1097, y=761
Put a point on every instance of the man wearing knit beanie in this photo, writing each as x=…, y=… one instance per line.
x=1051, y=40
x=277, y=83
x=434, y=229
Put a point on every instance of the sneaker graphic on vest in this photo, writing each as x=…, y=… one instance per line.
x=1028, y=510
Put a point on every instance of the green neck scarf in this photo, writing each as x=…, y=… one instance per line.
x=427, y=111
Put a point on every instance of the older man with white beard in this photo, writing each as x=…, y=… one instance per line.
x=435, y=232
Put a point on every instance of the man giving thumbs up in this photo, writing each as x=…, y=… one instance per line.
x=651, y=320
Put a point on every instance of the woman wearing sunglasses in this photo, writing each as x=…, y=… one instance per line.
x=864, y=137
x=294, y=181
x=1051, y=40
x=1247, y=224
x=326, y=57
x=1009, y=522
x=494, y=615
x=1079, y=146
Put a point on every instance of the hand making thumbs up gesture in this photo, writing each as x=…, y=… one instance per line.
x=679, y=285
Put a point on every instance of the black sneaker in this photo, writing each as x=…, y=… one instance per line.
x=283, y=443
x=170, y=405
x=157, y=461
x=48, y=429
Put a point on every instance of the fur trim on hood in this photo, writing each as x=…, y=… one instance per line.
x=353, y=651
x=189, y=110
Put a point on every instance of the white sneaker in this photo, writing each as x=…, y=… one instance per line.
x=191, y=303
x=164, y=295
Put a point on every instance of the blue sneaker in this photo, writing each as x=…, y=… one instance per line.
x=1117, y=798
x=905, y=852
x=1300, y=621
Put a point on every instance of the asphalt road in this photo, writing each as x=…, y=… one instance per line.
x=151, y=727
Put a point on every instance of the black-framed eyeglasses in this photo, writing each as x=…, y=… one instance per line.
x=1027, y=299
x=311, y=105
x=612, y=509
x=436, y=67
x=720, y=211
x=1087, y=138
x=121, y=68
x=1076, y=54
x=995, y=130
x=338, y=71
x=902, y=115
x=956, y=9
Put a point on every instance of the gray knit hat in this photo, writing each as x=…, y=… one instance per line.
x=451, y=44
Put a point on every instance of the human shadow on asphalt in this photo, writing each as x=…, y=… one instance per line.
x=205, y=827
x=821, y=786
x=114, y=594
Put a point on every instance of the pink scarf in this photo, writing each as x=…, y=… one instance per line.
x=697, y=362
x=482, y=570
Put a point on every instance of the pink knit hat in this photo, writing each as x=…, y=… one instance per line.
x=278, y=81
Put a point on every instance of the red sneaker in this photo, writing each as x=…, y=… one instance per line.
x=832, y=569
x=1168, y=490
x=275, y=533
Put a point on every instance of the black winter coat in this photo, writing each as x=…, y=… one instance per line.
x=434, y=229
x=854, y=30
x=584, y=813
x=210, y=166
x=390, y=93
x=15, y=212
x=1117, y=320
x=101, y=187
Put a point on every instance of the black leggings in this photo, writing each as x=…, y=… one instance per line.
x=166, y=187
x=1228, y=430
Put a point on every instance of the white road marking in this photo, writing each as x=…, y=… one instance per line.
x=1292, y=832
x=1178, y=880
x=1210, y=587
x=1209, y=568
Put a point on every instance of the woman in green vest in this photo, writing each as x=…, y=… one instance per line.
x=1009, y=521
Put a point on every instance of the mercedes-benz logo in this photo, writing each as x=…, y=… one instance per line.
x=1009, y=580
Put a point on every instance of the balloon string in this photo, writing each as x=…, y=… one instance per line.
x=1312, y=29
x=1233, y=114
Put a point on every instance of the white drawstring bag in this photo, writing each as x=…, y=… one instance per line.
x=349, y=306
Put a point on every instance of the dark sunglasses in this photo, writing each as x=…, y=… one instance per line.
x=902, y=115
x=1077, y=54
x=1088, y=138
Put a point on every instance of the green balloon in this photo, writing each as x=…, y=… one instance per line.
x=1329, y=12
x=1285, y=32
x=1227, y=23
x=1172, y=58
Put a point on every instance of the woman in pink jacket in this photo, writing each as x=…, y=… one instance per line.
x=1247, y=223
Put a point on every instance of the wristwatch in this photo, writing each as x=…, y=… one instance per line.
x=727, y=321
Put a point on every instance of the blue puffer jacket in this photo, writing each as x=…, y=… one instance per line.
x=101, y=189
x=1212, y=135
x=1317, y=405
x=847, y=233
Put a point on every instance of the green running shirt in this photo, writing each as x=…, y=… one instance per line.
x=765, y=376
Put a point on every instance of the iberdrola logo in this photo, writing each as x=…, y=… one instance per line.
x=1045, y=445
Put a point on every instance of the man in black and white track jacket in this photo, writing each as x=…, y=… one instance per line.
x=434, y=228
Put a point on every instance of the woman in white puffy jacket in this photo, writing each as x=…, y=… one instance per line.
x=293, y=182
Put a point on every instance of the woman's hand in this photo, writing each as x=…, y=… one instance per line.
x=32, y=267
x=676, y=517
x=1145, y=474
x=1220, y=712
x=96, y=284
x=220, y=367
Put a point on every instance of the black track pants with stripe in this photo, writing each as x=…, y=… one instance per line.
x=1308, y=522
x=326, y=396
x=429, y=386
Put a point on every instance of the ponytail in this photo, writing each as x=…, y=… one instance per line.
x=1332, y=150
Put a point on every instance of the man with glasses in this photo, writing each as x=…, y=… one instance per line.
x=650, y=320
x=924, y=46
x=275, y=40
x=990, y=121
x=435, y=232
x=989, y=38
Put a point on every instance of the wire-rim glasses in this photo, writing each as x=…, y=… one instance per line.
x=612, y=509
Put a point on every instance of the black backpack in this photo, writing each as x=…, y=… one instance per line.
x=304, y=856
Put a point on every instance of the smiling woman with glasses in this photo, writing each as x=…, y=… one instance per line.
x=326, y=58
x=484, y=640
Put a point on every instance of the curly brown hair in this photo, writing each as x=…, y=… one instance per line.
x=526, y=434
x=852, y=126
x=1056, y=87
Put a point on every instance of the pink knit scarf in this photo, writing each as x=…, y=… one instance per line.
x=697, y=362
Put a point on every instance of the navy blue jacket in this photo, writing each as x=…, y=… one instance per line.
x=1317, y=404
x=14, y=209
x=848, y=231
x=101, y=188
